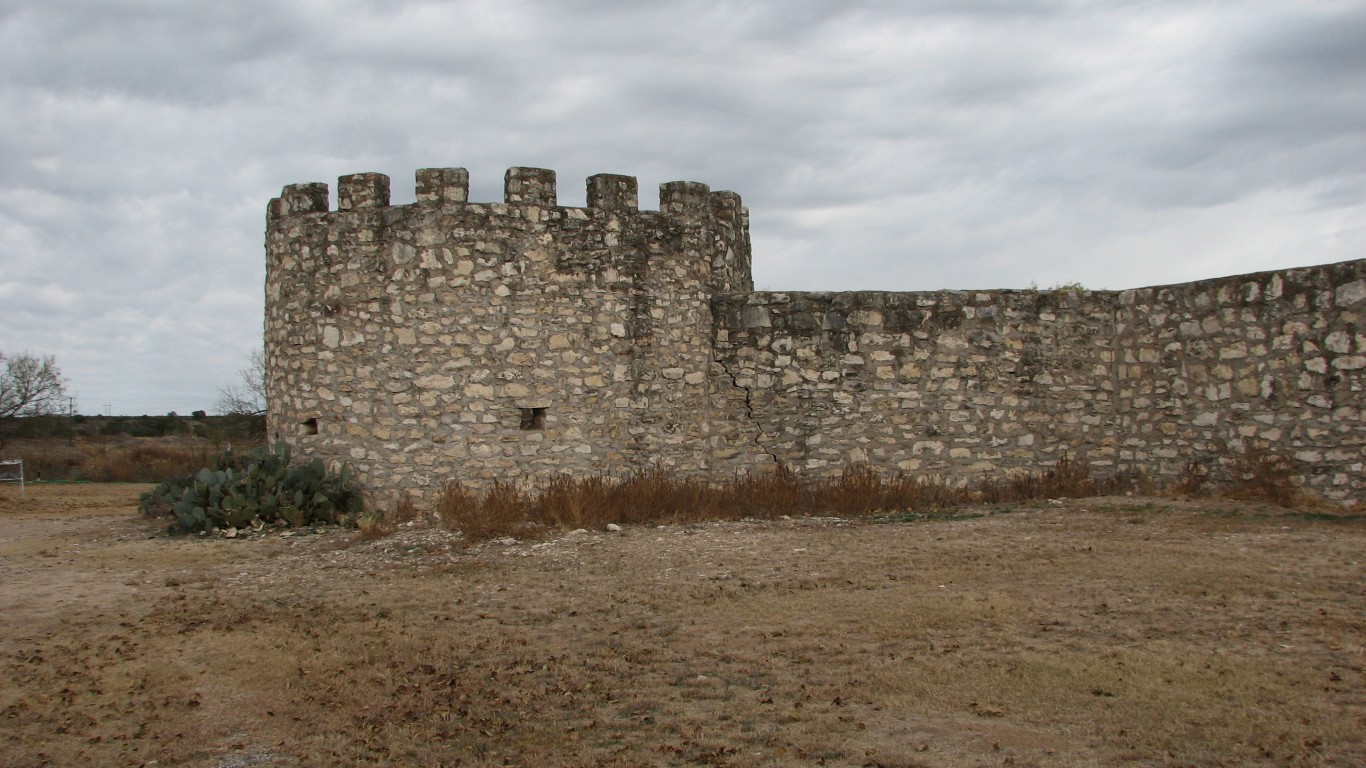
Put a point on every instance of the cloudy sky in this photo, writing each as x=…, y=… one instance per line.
x=879, y=144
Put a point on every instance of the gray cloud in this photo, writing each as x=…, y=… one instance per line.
x=879, y=144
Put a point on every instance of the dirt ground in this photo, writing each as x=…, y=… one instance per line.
x=1119, y=631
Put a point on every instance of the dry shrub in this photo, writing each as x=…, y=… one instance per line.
x=655, y=495
x=46, y=459
x=574, y=502
x=373, y=525
x=766, y=494
x=404, y=512
x=145, y=462
x=1193, y=481
x=109, y=460
x=649, y=495
x=1256, y=475
x=1068, y=479
x=506, y=508
x=455, y=504
x=860, y=490
x=377, y=524
x=501, y=511
x=1252, y=475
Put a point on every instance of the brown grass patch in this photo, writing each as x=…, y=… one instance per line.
x=112, y=459
x=379, y=523
x=1256, y=475
x=1251, y=474
x=1133, y=631
x=656, y=496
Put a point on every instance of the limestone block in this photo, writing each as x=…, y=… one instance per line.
x=1350, y=294
x=1339, y=342
x=479, y=390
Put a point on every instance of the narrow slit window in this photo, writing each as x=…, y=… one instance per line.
x=309, y=427
x=533, y=418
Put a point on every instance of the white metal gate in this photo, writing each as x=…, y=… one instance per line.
x=12, y=471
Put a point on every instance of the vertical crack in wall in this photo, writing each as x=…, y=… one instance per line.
x=749, y=404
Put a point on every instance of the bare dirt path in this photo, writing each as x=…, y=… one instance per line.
x=1099, y=632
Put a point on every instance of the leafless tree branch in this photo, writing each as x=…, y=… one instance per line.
x=30, y=385
x=246, y=397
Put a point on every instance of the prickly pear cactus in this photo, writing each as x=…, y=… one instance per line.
x=259, y=488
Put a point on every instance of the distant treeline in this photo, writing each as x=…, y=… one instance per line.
x=197, y=424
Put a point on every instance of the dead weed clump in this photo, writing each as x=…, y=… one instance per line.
x=500, y=511
x=112, y=460
x=1251, y=475
x=658, y=496
x=1258, y=476
x=765, y=495
x=1193, y=483
x=1068, y=479
x=145, y=463
x=377, y=524
x=573, y=502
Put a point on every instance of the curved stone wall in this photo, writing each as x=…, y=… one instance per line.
x=448, y=339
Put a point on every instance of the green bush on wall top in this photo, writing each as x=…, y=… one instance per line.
x=261, y=487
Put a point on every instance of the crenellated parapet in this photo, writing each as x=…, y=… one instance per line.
x=718, y=219
x=521, y=186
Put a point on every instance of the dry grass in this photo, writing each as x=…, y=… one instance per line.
x=1260, y=476
x=147, y=462
x=112, y=459
x=378, y=523
x=656, y=496
x=1252, y=474
x=1113, y=631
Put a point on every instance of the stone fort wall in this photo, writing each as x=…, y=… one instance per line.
x=965, y=383
x=448, y=339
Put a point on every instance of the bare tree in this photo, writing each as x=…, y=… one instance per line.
x=30, y=385
x=246, y=397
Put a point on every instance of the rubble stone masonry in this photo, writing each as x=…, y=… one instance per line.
x=447, y=340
